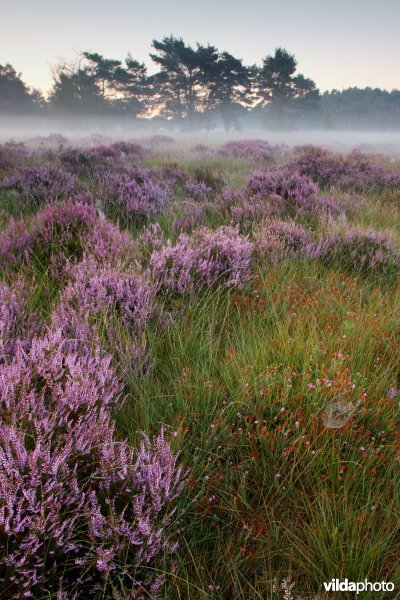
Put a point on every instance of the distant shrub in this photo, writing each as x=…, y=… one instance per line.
x=288, y=194
x=118, y=156
x=251, y=150
x=356, y=171
x=360, y=250
x=152, y=141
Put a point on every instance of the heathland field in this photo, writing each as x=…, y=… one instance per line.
x=199, y=370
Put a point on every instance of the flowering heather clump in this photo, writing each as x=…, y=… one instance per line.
x=100, y=296
x=133, y=195
x=282, y=239
x=288, y=193
x=100, y=289
x=249, y=150
x=292, y=188
x=43, y=184
x=198, y=189
x=361, y=173
x=172, y=266
x=119, y=155
x=11, y=155
x=76, y=160
x=356, y=171
x=322, y=166
x=15, y=243
x=78, y=505
x=63, y=221
x=360, y=250
x=222, y=255
x=105, y=241
x=17, y=325
x=241, y=210
x=55, y=225
x=192, y=216
x=205, y=258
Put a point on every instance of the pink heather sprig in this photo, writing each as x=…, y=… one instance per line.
x=150, y=239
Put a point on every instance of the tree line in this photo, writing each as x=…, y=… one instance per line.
x=198, y=88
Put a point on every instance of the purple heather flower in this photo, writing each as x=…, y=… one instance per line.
x=76, y=500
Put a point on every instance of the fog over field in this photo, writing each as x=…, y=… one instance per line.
x=34, y=131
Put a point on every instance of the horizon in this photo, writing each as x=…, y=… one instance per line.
x=109, y=30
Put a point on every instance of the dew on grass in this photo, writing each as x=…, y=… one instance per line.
x=335, y=414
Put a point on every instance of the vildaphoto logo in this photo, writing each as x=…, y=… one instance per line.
x=335, y=585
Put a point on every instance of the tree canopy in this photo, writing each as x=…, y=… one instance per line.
x=199, y=87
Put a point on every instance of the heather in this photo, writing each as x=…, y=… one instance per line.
x=99, y=299
x=56, y=231
x=18, y=324
x=252, y=150
x=42, y=184
x=288, y=194
x=133, y=195
x=361, y=250
x=204, y=259
x=356, y=171
x=73, y=496
x=199, y=377
x=284, y=239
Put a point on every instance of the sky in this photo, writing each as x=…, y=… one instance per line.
x=338, y=43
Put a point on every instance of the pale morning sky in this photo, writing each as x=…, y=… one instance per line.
x=338, y=43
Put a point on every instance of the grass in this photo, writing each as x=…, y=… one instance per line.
x=273, y=490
